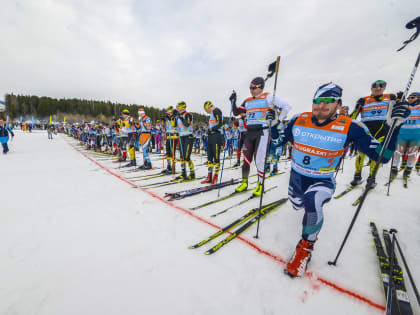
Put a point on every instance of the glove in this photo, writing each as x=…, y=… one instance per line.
x=232, y=99
x=271, y=114
x=175, y=112
x=399, y=95
x=397, y=112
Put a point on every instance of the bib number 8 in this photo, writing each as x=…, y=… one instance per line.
x=306, y=160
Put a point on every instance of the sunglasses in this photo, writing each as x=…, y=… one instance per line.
x=325, y=100
x=253, y=87
x=379, y=85
x=411, y=97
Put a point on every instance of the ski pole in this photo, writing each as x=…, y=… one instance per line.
x=416, y=292
x=267, y=148
x=389, y=177
x=224, y=150
x=365, y=192
x=381, y=154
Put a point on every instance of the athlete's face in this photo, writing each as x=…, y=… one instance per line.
x=255, y=91
x=377, y=90
x=324, y=111
x=412, y=98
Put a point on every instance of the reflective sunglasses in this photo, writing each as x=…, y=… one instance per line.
x=379, y=85
x=412, y=97
x=325, y=100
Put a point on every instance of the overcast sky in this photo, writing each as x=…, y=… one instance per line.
x=160, y=52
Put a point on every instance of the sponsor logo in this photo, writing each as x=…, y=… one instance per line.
x=335, y=127
x=316, y=136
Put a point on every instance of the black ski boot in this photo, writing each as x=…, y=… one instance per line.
x=168, y=170
x=183, y=174
x=132, y=163
x=237, y=164
x=192, y=175
x=373, y=183
x=357, y=179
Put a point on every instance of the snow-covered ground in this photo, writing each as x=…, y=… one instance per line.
x=78, y=238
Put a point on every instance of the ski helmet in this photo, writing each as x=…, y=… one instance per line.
x=379, y=83
x=257, y=82
x=170, y=109
x=181, y=105
x=329, y=90
x=207, y=105
x=125, y=112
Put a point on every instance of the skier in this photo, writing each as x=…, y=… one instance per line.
x=319, y=138
x=214, y=142
x=50, y=132
x=128, y=137
x=408, y=138
x=4, y=135
x=158, y=136
x=241, y=124
x=145, y=138
x=124, y=123
x=259, y=109
x=171, y=140
x=184, y=123
x=373, y=111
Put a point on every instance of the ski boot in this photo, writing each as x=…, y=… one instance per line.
x=258, y=190
x=394, y=172
x=297, y=265
x=373, y=183
x=168, y=170
x=192, y=175
x=357, y=179
x=215, y=178
x=148, y=165
x=207, y=179
x=418, y=166
x=132, y=163
x=243, y=186
x=274, y=171
x=267, y=168
x=183, y=175
x=237, y=164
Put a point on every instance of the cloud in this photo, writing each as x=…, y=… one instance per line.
x=159, y=52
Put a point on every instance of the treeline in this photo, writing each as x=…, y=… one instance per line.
x=42, y=107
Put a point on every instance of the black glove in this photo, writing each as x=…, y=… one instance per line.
x=271, y=114
x=399, y=113
x=232, y=98
x=175, y=112
x=399, y=95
